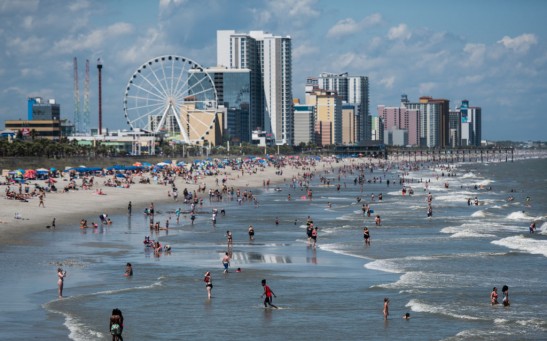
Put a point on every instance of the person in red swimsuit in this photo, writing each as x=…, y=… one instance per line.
x=268, y=292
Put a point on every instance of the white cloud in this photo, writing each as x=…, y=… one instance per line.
x=301, y=8
x=20, y=46
x=18, y=6
x=470, y=79
x=92, y=40
x=349, y=26
x=78, y=5
x=476, y=54
x=520, y=43
x=400, y=32
x=388, y=82
x=27, y=22
x=426, y=87
x=303, y=50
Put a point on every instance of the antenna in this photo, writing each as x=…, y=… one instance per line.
x=76, y=97
x=86, y=98
x=99, y=69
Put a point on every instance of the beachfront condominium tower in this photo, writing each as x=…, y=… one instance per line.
x=401, y=118
x=233, y=93
x=352, y=90
x=433, y=120
x=269, y=58
x=471, y=124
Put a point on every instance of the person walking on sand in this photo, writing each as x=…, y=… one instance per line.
x=129, y=207
x=61, y=274
x=41, y=203
x=208, y=284
x=386, y=308
x=268, y=293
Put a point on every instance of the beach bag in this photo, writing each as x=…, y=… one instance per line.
x=115, y=329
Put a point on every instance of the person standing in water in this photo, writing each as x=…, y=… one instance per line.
x=268, y=293
x=494, y=296
x=116, y=324
x=386, y=308
x=226, y=262
x=251, y=232
x=208, y=283
x=61, y=274
x=505, y=291
x=366, y=236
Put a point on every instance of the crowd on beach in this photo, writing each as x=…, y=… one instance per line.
x=197, y=187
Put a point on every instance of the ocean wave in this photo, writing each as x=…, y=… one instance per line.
x=385, y=265
x=542, y=229
x=77, y=330
x=421, y=280
x=469, y=175
x=471, y=234
x=526, y=244
x=479, y=214
x=417, y=306
x=334, y=248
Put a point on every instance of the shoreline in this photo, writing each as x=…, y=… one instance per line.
x=69, y=208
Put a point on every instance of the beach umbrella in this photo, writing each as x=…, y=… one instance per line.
x=53, y=169
x=146, y=164
x=30, y=174
x=41, y=170
x=137, y=164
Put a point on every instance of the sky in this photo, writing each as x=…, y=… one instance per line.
x=490, y=52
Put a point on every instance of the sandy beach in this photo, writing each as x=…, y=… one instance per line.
x=68, y=208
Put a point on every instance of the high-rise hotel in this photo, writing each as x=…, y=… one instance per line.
x=269, y=58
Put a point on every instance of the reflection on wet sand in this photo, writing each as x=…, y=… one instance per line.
x=255, y=257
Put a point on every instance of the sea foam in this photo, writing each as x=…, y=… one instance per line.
x=526, y=244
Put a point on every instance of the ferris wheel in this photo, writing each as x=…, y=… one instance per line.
x=174, y=95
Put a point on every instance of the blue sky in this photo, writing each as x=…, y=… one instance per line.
x=492, y=53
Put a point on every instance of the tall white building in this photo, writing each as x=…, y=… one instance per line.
x=269, y=58
x=352, y=90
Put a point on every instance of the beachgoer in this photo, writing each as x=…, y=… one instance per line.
x=230, y=238
x=494, y=296
x=406, y=316
x=505, y=290
x=61, y=274
x=128, y=270
x=116, y=324
x=238, y=270
x=378, y=220
x=41, y=203
x=309, y=231
x=129, y=206
x=314, y=236
x=251, y=232
x=532, y=227
x=386, y=308
x=208, y=283
x=192, y=217
x=366, y=235
x=226, y=262
x=268, y=293
x=53, y=223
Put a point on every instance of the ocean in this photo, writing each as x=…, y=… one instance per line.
x=440, y=269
